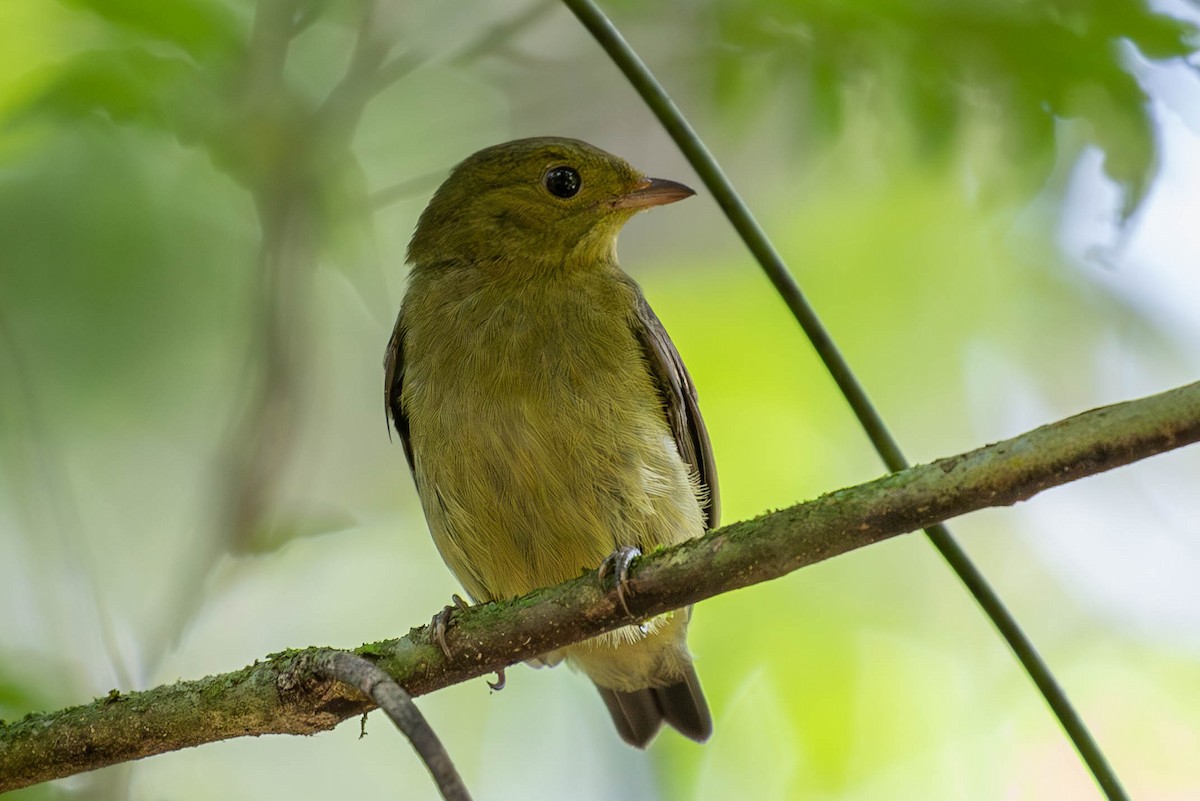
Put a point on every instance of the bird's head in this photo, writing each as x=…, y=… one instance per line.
x=543, y=202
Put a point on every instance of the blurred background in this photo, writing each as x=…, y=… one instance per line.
x=204, y=206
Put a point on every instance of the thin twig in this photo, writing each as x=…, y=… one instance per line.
x=394, y=69
x=702, y=160
x=406, y=188
x=271, y=32
x=339, y=114
x=492, y=39
x=489, y=41
x=357, y=671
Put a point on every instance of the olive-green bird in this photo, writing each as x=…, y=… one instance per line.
x=548, y=420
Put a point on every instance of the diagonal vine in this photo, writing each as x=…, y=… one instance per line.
x=756, y=240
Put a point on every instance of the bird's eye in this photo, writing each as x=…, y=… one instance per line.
x=562, y=182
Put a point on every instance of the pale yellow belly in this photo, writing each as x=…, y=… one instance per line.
x=528, y=492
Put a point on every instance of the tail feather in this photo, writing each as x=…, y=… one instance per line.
x=639, y=714
x=635, y=714
x=684, y=708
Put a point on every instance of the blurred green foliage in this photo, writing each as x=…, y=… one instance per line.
x=1026, y=64
x=197, y=275
x=204, y=29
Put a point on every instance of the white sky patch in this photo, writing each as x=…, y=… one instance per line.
x=1154, y=262
x=1127, y=543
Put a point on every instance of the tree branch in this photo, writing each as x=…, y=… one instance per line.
x=373, y=682
x=288, y=694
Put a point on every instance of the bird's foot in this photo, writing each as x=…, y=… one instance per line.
x=441, y=621
x=498, y=684
x=618, y=563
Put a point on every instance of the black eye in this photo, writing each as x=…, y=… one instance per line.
x=562, y=182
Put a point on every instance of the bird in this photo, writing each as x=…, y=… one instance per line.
x=546, y=416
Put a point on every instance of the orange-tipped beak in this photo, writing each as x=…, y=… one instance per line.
x=652, y=192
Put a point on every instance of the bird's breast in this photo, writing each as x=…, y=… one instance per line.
x=539, y=438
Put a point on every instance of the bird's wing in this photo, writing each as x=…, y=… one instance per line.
x=678, y=395
x=393, y=382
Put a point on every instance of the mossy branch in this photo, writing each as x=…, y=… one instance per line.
x=285, y=694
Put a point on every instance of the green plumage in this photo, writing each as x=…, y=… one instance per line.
x=546, y=415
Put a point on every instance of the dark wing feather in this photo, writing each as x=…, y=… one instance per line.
x=393, y=382
x=679, y=402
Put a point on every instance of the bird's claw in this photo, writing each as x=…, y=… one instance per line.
x=441, y=621
x=498, y=684
x=618, y=563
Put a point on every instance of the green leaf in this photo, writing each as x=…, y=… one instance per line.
x=1121, y=127
x=1156, y=36
x=130, y=86
x=1064, y=58
x=201, y=27
x=281, y=532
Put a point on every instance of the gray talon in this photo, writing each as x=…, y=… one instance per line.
x=441, y=621
x=618, y=562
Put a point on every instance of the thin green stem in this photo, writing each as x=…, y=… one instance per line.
x=760, y=246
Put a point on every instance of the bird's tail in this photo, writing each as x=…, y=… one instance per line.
x=639, y=714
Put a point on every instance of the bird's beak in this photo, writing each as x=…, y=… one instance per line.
x=651, y=192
